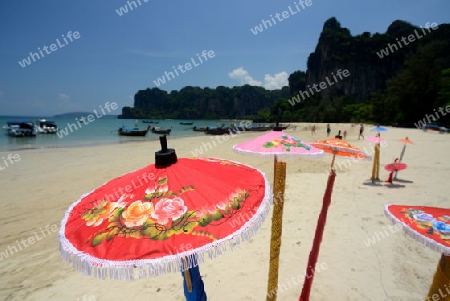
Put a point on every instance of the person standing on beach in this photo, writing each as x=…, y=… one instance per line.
x=345, y=134
x=361, y=131
x=328, y=130
x=313, y=130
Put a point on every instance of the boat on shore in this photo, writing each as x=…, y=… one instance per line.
x=46, y=127
x=134, y=132
x=160, y=130
x=260, y=128
x=200, y=129
x=217, y=130
x=21, y=128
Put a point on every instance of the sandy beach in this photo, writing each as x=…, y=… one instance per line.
x=37, y=189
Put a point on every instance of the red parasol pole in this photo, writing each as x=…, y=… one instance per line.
x=314, y=254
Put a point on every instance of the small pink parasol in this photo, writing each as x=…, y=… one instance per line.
x=375, y=139
x=395, y=166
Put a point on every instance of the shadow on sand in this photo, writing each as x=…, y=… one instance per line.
x=379, y=183
x=402, y=181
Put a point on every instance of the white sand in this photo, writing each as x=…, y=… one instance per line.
x=37, y=190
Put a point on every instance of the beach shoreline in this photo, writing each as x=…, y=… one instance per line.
x=38, y=189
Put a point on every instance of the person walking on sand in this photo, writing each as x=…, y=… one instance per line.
x=361, y=131
x=345, y=134
x=328, y=130
x=313, y=130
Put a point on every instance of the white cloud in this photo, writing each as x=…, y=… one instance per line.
x=277, y=81
x=243, y=77
x=64, y=97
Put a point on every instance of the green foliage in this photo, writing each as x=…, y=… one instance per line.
x=398, y=89
x=197, y=103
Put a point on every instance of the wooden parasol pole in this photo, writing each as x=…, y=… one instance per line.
x=374, y=163
x=400, y=160
x=277, y=224
x=377, y=173
x=440, y=288
x=332, y=161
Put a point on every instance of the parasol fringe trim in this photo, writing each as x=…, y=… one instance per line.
x=139, y=269
x=435, y=246
x=280, y=155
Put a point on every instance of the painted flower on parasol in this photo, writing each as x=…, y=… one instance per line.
x=431, y=227
x=336, y=147
x=277, y=144
x=172, y=203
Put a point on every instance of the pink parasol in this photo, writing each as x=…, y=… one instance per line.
x=376, y=139
x=395, y=166
x=277, y=144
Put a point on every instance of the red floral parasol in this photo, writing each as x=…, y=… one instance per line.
x=431, y=227
x=163, y=219
x=428, y=225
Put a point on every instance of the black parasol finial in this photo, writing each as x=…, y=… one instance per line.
x=166, y=156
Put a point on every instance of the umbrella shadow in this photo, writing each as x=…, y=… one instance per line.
x=369, y=182
x=392, y=185
x=402, y=181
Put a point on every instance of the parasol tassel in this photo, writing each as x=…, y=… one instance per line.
x=440, y=288
x=277, y=224
x=314, y=254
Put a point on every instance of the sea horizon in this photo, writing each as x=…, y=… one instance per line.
x=101, y=131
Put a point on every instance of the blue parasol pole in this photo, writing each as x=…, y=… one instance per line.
x=194, y=288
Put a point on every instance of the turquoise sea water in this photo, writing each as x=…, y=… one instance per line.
x=100, y=131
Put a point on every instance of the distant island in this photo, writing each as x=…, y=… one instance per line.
x=391, y=78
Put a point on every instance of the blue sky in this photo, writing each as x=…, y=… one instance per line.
x=115, y=56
